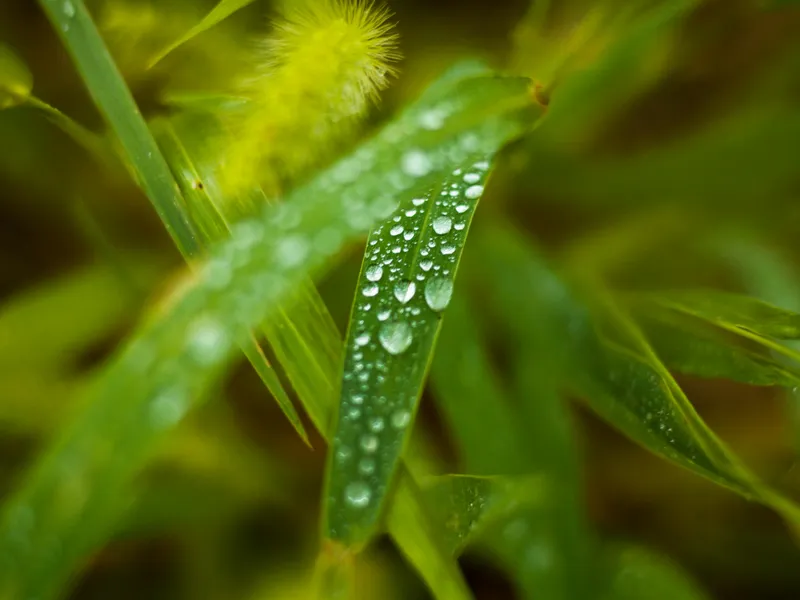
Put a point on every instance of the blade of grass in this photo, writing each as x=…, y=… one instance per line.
x=74, y=25
x=221, y=11
x=71, y=498
x=16, y=80
x=406, y=283
x=613, y=367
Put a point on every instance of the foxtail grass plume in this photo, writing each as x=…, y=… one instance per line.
x=322, y=68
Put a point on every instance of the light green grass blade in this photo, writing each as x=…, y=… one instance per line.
x=16, y=81
x=465, y=506
x=640, y=574
x=70, y=500
x=406, y=283
x=108, y=90
x=221, y=11
x=620, y=376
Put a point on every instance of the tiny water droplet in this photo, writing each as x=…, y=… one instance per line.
x=376, y=424
x=395, y=337
x=358, y=399
x=397, y=250
x=374, y=273
x=416, y=163
x=418, y=201
x=366, y=466
x=442, y=225
x=438, y=292
x=357, y=494
x=404, y=291
x=370, y=290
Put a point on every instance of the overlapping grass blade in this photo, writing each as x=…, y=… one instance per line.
x=221, y=11
x=544, y=547
x=70, y=500
x=620, y=376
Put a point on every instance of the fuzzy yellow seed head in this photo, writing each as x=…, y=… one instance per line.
x=325, y=64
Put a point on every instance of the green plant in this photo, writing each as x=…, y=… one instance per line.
x=265, y=179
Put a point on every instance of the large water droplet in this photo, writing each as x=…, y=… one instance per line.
x=416, y=163
x=395, y=337
x=404, y=291
x=418, y=201
x=438, y=292
x=370, y=290
x=396, y=230
x=426, y=265
x=362, y=340
x=472, y=178
x=447, y=250
x=442, y=225
x=357, y=494
x=474, y=192
x=462, y=208
x=68, y=8
x=384, y=314
x=374, y=272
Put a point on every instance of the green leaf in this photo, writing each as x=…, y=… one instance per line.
x=465, y=506
x=73, y=23
x=640, y=574
x=16, y=81
x=617, y=372
x=405, y=285
x=72, y=497
x=221, y=11
x=689, y=346
x=734, y=312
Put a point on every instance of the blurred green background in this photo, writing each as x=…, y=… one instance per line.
x=674, y=167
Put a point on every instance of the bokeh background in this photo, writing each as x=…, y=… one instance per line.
x=691, y=149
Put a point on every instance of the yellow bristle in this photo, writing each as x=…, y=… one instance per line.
x=325, y=64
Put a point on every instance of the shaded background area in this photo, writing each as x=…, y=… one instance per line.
x=691, y=148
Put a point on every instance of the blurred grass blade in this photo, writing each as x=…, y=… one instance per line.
x=221, y=11
x=16, y=81
x=202, y=202
x=405, y=285
x=464, y=506
x=690, y=346
x=545, y=548
x=70, y=501
x=334, y=573
x=620, y=376
x=108, y=90
x=639, y=574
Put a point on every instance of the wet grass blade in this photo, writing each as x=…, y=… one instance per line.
x=406, y=283
x=617, y=372
x=221, y=11
x=71, y=499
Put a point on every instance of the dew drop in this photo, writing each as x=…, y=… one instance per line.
x=411, y=212
x=442, y=225
x=68, y=8
x=374, y=273
x=291, y=251
x=426, y=265
x=168, y=407
x=401, y=419
x=408, y=236
x=474, y=192
x=357, y=494
x=472, y=178
x=397, y=250
x=416, y=163
x=418, y=201
x=396, y=230
x=366, y=466
x=384, y=314
x=432, y=119
x=362, y=340
x=369, y=443
x=438, y=292
x=404, y=291
x=462, y=208
x=218, y=273
x=358, y=399
x=459, y=226
x=376, y=424
x=447, y=250
x=370, y=290
x=207, y=341
x=395, y=337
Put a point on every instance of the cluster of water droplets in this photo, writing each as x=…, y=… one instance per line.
x=406, y=283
